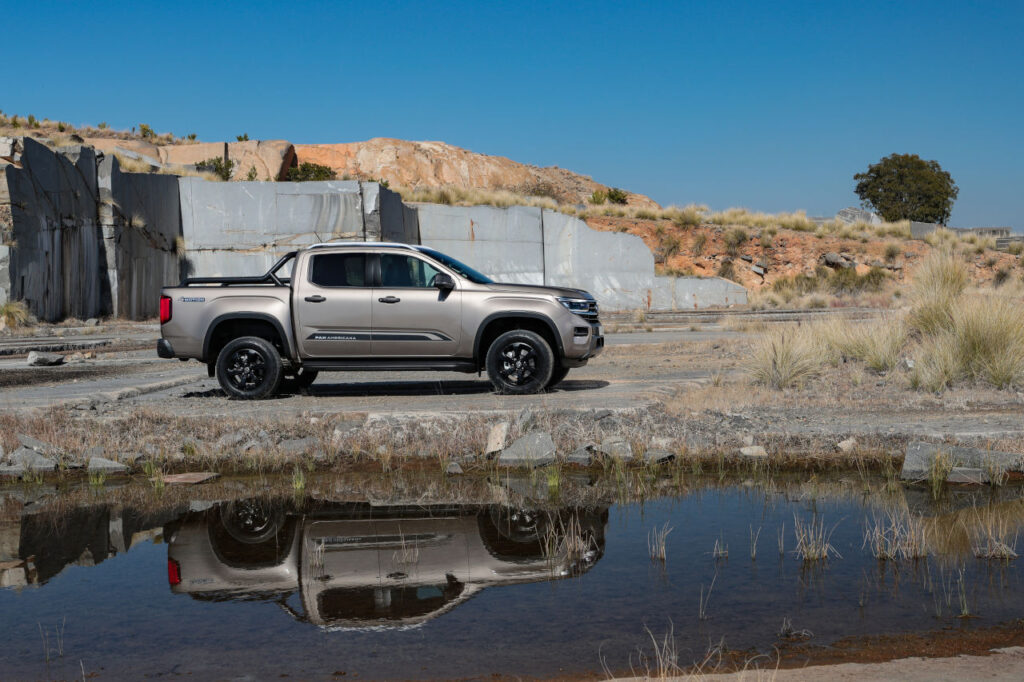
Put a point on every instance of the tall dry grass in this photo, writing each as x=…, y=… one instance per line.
x=786, y=357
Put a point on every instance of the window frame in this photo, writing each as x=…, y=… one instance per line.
x=367, y=270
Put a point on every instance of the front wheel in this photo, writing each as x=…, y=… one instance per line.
x=249, y=368
x=557, y=376
x=520, y=362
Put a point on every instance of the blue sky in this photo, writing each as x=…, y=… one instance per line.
x=772, y=106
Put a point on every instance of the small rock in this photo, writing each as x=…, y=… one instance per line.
x=832, y=259
x=453, y=469
x=748, y=439
x=602, y=414
x=74, y=358
x=617, y=447
x=847, y=445
x=40, y=359
x=658, y=456
x=753, y=451
x=15, y=470
x=298, y=445
x=662, y=443
x=229, y=440
x=525, y=419
x=496, y=439
x=535, y=449
x=343, y=429
x=106, y=466
x=91, y=322
x=581, y=456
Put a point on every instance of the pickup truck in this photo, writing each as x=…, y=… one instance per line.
x=367, y=306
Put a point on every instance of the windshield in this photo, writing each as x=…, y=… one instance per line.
x=461, y=268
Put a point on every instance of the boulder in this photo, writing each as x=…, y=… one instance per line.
x=14, y=470
x=967, y=476
x=38, y=445
x=298, y=445
x=535, y=449
x=92, y=322
x=832, y=259
x=106, y=466
x=32, y=461
x=497, y=438
x=38, y=358
x=920, y=455
x=753, y=451
x=230, y=440
x=453, y=469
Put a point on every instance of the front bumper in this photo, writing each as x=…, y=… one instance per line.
x=587, y=342
x=163, y=349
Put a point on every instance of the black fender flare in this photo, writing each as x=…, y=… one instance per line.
x=259, y=317
x=514, y=314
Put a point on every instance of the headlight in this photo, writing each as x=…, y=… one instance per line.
x=575, y=305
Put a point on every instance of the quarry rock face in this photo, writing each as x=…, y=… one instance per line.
x=270, y=158
x=436, y=164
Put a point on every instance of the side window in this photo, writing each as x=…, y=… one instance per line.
x=405, y=271
x=338, y=270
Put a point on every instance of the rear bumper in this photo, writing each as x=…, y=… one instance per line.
x=163, y=349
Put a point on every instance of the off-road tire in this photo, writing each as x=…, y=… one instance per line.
x=249, y=368
x=520, y=362
x=557, y=375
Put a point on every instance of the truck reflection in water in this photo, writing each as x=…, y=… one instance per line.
x=358, y=565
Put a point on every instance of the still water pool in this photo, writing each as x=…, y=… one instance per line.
x=263, y=588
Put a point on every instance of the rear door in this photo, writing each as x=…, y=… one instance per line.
x=411, y=317
x=332, y=305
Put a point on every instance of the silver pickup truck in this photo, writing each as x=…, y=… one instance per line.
x=375, y=306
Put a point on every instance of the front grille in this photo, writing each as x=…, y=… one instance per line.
x=591, y=313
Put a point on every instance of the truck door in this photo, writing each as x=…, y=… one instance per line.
x=332, y=305
x=411, y=317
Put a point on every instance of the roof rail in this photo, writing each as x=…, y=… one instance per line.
x=396, y=245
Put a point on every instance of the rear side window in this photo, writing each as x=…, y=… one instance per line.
x=338, y=270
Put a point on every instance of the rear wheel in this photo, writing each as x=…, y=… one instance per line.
x=249, y=368
x=520, y=362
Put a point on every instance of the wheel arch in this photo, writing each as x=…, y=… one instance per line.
x=224, y=328
x=496, y=324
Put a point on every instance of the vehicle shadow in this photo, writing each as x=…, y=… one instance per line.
x=332, y=389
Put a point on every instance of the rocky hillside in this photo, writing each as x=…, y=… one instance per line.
x=437, y=164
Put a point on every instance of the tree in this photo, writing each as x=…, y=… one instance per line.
x=906, y=187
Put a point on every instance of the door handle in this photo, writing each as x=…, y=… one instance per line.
x=389, y=299
x=316, y=299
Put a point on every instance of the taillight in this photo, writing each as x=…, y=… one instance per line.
x=165, y=309
x=173, y=572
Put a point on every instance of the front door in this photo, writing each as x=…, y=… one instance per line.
x=411, y=317
x=332, y=306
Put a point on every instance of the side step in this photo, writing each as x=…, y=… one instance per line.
x=401, y=365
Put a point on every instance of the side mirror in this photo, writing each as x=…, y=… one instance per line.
x=444, y=282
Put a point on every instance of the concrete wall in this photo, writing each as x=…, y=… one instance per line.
x=506, y=244
x=240, y=228
x=81, y=238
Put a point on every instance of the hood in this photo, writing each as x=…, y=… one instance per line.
x=538, y=290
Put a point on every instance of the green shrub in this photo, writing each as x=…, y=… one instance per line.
x=1002, y=274
x=244, y=137
x=311, y=172
x=61, y=127
x=191, y=137
x=251, y=175
x=32, y=122
x=218, y=166
x=14, y=314
x=727, y=270
x=670, y=246
x=892, y=252
x=617, y=196
x=598, y=197
x=146, y=132
x=785, y=357
x=103, y=125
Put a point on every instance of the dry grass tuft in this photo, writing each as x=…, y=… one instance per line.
x=15, y=314
x=786, y=357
